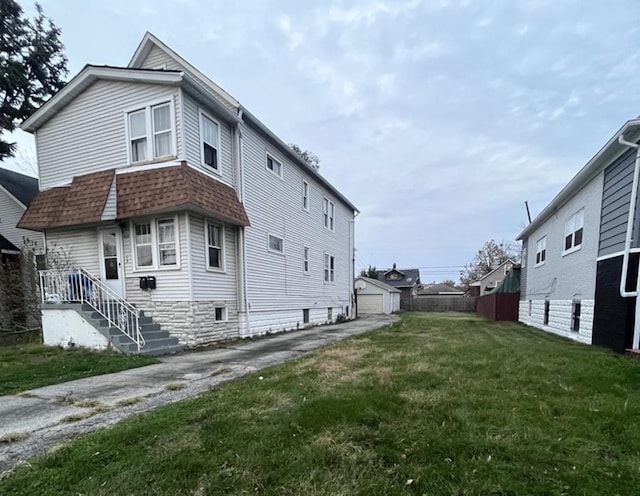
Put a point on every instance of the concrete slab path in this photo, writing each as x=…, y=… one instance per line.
x=36, y=421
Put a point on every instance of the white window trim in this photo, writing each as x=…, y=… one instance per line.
x=155, y=251
x=225, y=312
x=268, y=156
x=328, y=224
x=223, y=237
x=269, y=236
x=218, y=168
x=536, y=263
x=332, y=280
x=306, y=194
x=574, y=248
x=149, y=129
x=306, y=260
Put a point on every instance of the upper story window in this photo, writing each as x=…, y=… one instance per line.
x=305, y=195
x=573, y=230
x=305, y=260
x=210, y=138
x=151, y=133
x=156, y=243
x=276, y=244
x=541, y=251
x=329, y=268
x=274, y=166
x=215, y=256
x=328, y=214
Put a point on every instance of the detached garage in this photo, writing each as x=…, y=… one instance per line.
x=376, y=297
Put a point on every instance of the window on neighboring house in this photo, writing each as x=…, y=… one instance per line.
x=573, y=230
x=151, y=133
x=166, y=242
x=161, y=234
x=305, y=316
x=214, y=246
x=329, y=268
x=523, y=257
x=210, y=137
x=220, y=314
x=328, y=212
x=305, y=262
x=546, y=311
x=305, y=195
x=576, y=309
x=276, y=244
x=541, y=251
x=274, y=166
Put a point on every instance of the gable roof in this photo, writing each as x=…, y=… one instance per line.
x=499, y=267
x=410, y=277
x=436, y=289
x=379, y=284
x=23, y=188
x=167, y=188
x=609, y=152
x=81, y=202
x=7, y=246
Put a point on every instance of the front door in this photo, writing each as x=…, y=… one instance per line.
x=111, y=260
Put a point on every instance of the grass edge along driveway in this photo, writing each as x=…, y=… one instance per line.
x=436, y=404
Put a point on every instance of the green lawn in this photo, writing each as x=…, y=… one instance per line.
x=435, y=405
x=28, y=366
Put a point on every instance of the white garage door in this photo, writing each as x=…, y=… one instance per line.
x=370, y=304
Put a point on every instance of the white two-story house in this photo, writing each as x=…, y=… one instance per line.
x=176, y=202
x=580, y=255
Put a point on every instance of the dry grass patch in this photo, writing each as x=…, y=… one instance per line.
x=88, y=403
x=13, y=437
x=128, y=401
x=175, y=386
x=336, y=359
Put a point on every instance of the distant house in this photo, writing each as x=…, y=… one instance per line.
x=439, y=290
x=16, y=193
x=376, y=297
x=406, y=280
x=494, y=278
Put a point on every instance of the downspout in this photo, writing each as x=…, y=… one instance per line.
x=627, y=243
x=242, y=243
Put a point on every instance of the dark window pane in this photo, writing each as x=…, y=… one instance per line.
x=214, y=257
x=111, y=268
x=210, y=156
x=567, y=242
x=578, y=237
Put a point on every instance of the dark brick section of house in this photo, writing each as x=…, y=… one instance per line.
x=614, y=316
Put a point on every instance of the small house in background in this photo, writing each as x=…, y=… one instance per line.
x=376, y=297
x=16, y=192
x=493, y=279
x=434, y=289
x=406, y=280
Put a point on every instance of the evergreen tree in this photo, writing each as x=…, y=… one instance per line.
x=32, y=67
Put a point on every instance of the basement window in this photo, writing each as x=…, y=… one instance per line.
x=220, y=314
x=546, y=311
x=305, y=316
x=576, y=310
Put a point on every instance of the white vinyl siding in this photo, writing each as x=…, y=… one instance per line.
x=75, y=248
x=90, y=134
x=10, y=213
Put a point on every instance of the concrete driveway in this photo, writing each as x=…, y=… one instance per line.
x=32, y=423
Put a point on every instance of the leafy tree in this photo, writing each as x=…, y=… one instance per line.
x=32, y=66
x=450, y=282
x=308, y=156
x=370, y=273
x=488, y=258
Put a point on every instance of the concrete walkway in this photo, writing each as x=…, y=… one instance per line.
x=34, y=422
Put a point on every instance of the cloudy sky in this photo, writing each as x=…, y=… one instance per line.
x=437, y=118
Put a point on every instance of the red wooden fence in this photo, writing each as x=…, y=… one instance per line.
x=499, y=306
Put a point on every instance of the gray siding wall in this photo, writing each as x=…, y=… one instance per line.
x=157, y=59
x=616, y=198
x=89, y=134
x=193, y=148
x=274, y=206
x=77, y=248
x=10, y=213
x=572, y=275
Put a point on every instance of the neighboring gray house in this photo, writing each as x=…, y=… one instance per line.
x=16, y=192
x=494, y=278
x=406, y=280
x=580, y=254
x=376, y=297
x=178, y=205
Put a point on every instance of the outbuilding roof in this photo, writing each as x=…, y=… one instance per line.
x=23, y=188
x=379, y=284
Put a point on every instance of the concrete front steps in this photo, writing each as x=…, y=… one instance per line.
x=157, y=341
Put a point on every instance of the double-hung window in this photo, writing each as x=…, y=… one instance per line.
x=305, y=195
x=573, y=230
x=156, y=243
x=305, y=260
x=214, y=246
x=210, y=135
x=328, y=214
x=151, y=133
x=541, y=251
x=329, y=268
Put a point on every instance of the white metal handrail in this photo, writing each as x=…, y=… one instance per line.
x=79, y=286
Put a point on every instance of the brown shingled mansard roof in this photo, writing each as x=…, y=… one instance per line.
x=156, y=190
x=138, y=193
x=82, y=202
